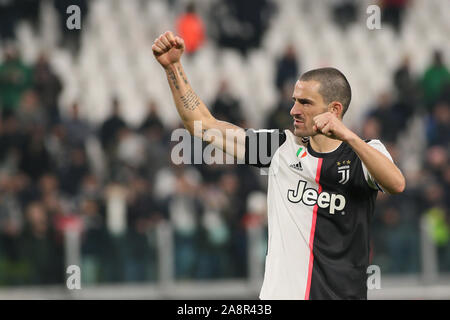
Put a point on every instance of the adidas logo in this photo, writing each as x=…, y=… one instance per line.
x=297, y=166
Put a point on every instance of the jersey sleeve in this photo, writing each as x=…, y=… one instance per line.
x=370, y=180
x=261, y=145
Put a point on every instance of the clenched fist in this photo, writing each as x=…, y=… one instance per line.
x=328, y=124
x=168, y=49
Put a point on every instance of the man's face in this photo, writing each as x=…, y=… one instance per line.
x=308, y=103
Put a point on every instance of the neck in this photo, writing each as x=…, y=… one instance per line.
x=321, y=143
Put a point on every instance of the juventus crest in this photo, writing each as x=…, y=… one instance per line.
x=344, y=171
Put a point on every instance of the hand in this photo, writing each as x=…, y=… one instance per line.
x=168, y=49
x=328, y=124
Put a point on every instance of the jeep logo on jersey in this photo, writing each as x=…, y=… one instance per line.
x=310, y=197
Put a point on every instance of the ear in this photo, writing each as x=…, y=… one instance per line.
x=336, y=108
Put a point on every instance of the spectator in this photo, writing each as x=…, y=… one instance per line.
x=435, y=79
x=398, y=237
x=72, y=174
x=35, y=159
x=153, y=131
x=344, y=12
x=58, y=146
x=185, y=210
x=227, y=225
x=94, y=241
x=436, y=161
x=30, y=112
x=48, y=87
x=77, y=129
x=371, y=128
x=190, y=27
x=50, y=194
x=130, y=148
x=90, y=187
x=407, y=87
x=226, y=107
x=393, y=11
x=241, y=24
x=287, y=68
x=389, y=116
x=12, y=139
x=438, y=126
x=15, y=78
x=110, y=128
x=143, y=215
x=280, y=117
x=152, y=121
x=11, y=222
x=40, y=248
x=214, y=256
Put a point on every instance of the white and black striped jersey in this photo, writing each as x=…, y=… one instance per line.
x=320, y=206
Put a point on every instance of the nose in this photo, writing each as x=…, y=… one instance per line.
x=295, y=110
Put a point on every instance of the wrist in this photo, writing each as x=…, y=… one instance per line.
x=350, y=137
x=172, y=66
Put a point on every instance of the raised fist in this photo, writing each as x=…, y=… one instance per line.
x=168, y=49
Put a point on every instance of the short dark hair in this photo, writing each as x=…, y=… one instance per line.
x=333, y=85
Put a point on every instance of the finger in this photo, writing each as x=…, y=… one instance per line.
x=157, y=49
x=160, y=44
x=166, y=42
x=180, y=42
x=169, y=35
x=324, y=123
x=326, y=130
x=319, y=125
x=317, y=118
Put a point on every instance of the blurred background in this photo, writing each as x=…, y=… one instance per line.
x=86, y=176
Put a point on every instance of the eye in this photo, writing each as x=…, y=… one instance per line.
x=305, y=102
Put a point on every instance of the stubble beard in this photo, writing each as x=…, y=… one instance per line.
x=303, y=132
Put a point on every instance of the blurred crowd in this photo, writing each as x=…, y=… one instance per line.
x=56, y=169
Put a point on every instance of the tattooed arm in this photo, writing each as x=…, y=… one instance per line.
x=193, y=112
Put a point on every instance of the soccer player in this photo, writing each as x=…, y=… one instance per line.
x=323, y=181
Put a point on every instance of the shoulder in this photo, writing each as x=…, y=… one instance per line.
x=261, y=145
x=266, y=135
x=377, y=144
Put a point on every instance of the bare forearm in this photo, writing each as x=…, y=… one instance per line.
x=193, y=112
x=382, y=169
x=188, y=104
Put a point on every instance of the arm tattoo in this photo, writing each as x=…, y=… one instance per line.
x=182, y=75
x=190, y=100
x=172, y=78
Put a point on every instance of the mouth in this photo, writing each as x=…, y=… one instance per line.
x=298, y=122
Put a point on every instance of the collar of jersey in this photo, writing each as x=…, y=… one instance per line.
x=323, y=154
